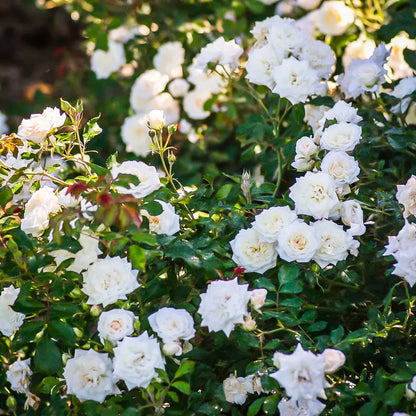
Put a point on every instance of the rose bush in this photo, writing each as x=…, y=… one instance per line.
x=175, y=282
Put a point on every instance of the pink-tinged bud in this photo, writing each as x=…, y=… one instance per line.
x=249, y=323
x=334, y=359
x=257, y=298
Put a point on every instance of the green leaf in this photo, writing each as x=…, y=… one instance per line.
x=269, y=383
x=62, y=331
x=270, y=404
x=64, y=310
x=99, y=170
x=91, y=129
x=410, y=57
x=255, y=406
x=224, y=191
x=394, y=395
x=182, y=386
x=47, y=357
x=186, y=367
x=137, y=257
x=6, y=195
x=288, y=273
x=25, y=303
x=337, y=334
x=153, y=208
x=145, y=238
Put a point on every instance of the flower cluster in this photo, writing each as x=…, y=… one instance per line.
x=287, y=61
x=302, y=375
x=403, y=246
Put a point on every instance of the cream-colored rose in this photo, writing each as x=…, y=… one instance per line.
x=104, y=63
x=342, y=167
x=333, y=18
x=18, y=375
x=115, y=324
x=406, y=195
x=334, y=359
x=341, y=136
x=135, y=135
x=156, y=119
x=178, y=87
x=193, y=103
x=165, y=223
x=169, y=59
x=252, y=254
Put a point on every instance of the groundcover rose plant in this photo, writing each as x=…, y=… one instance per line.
x=287, y=288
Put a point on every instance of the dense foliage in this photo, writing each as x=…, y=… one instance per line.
x=234, y=234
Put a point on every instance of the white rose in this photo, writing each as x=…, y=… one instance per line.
x=405, y=87
x=178, y=87
x=172, y=348
x=211, y=82
x=252, y=254
x=406, y=195
x=320, y=57
x=361, y=48
x=89, y=376
x=165, y=223
x=262, y=29
x=169, y=59
x=298, y=242
x=301, y=164
x=333, y=18
x=66, y=200
x=45, y=198
x=295, y=80
x=224, y=305
x=334, y=359
x=38, y=126
x=308, y=4
x=235, y=390
x=123, y=33
x=167, y=104
x=18, y=375
x=342, y=167
x=306, y=147
x=219, y=52
x=35, y=222
x=136, y=360
x=352, y=216
x=146, y=86
x=270, y=221
x=172, y=324
x=257, y=298
x=341, y=112
x=115, y=324
x=300, y=407
x=193, y=103
x=342, y=136
x=406, y=265
x=148, y=177
x=135, y=135
x=301, y=374
x=83, y=258
x=314, y=194
x=313, y=114
x=396, y=61
x=156, y=119
x=108, y=280
x=104, y=63
x=285, y=37
x=335, y=243
x=260, y=65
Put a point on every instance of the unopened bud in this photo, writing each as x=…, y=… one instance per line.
x=172, y=348
x=172, y=128
x=171, y=158
x=245, y=184
x=249, y=323
x=257, y=298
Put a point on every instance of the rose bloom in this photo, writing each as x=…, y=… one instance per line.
x=308, y=4
x=89, y=376
x=295, y=80
x=212, y=82
x=252, y=254
x=313, y=114
x=335, y=243
x=361, y=48
x=148, y=177
x=271, y=221
x=104, y=63
x=260, y=64
x=146, y=86
x=172, y=324
x=224, y=305
x=108, y=280
x=193, y=103
x=136, y=360
x=36, y=222
x=156, y=119
x=285, y=37
x=298, y=242
x=300, y=407
x=341, y=112
x=83, y=258
x=352, y=216
x=165, y=103
x=220, y=52
x=301, y=374
x=135, y=135
x=237, y=388
x=396, y=61
x=333, y=18
x=169, y=59
x=172, y=348
x=342, y=167
x=38, y=126
x=406, y=195
x=18, y=375
x=342, y=136
x=320, y=56
x=178, y=87
x=314, y=194
x=334, y=359
x=115, y=324
x=405, y=87
x=165, y=223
